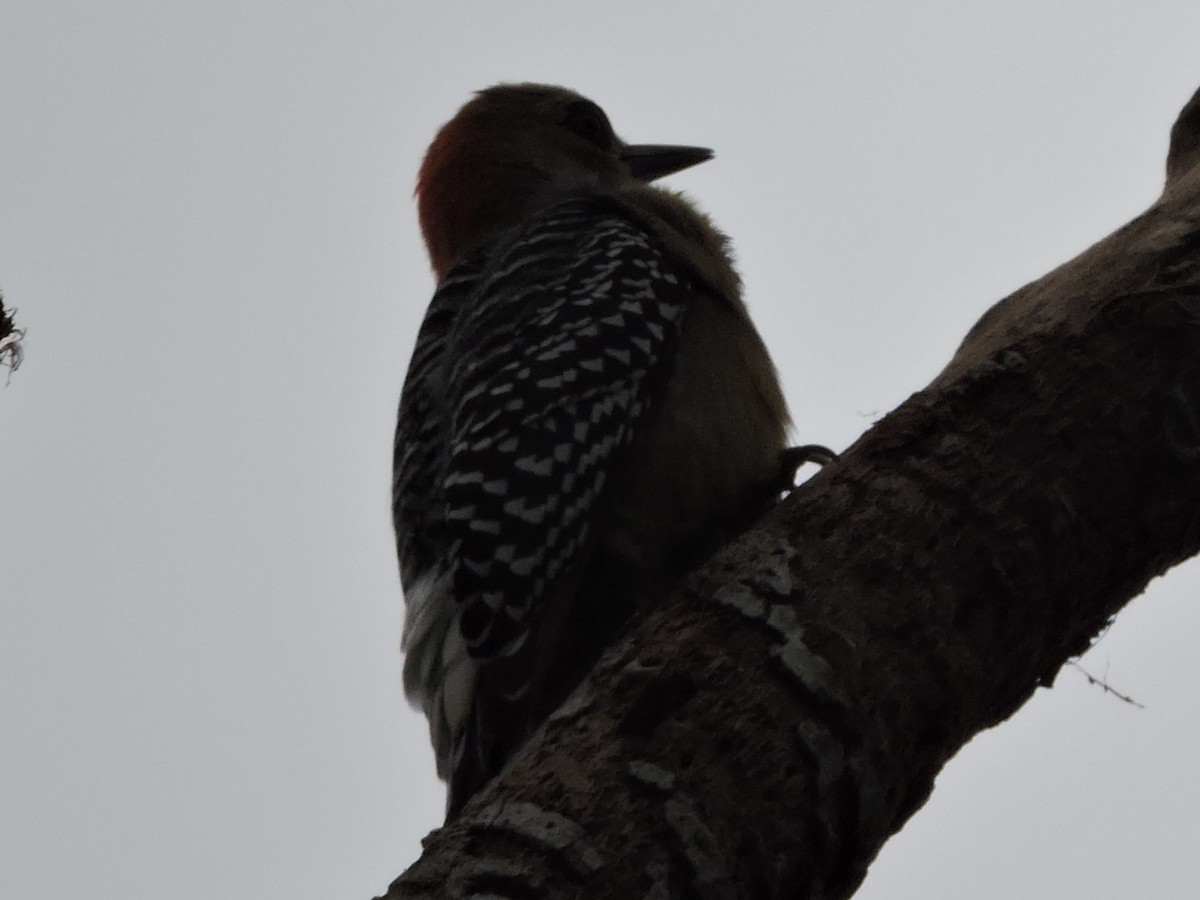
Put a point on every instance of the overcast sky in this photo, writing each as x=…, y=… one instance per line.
x=206, y=226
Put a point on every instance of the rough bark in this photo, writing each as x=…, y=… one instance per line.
x=764, y=731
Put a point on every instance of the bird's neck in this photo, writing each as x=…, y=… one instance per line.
x=467, y=194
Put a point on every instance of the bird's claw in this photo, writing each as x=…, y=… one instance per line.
x=791, y=459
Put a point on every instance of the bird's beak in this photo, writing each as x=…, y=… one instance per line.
x=647, y=162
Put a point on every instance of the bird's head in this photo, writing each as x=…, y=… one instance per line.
x=516, y=148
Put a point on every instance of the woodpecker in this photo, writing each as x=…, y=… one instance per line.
x=588, y=413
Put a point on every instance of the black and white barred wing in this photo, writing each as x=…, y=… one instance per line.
x=530, y=377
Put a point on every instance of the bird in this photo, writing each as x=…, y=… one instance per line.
x=588, y=413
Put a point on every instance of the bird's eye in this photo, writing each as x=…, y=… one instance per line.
x=588, y=121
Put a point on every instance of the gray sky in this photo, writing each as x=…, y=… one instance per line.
x=206, y=226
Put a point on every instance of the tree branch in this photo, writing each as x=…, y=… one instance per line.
x=764, y=731
x=11, y=352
